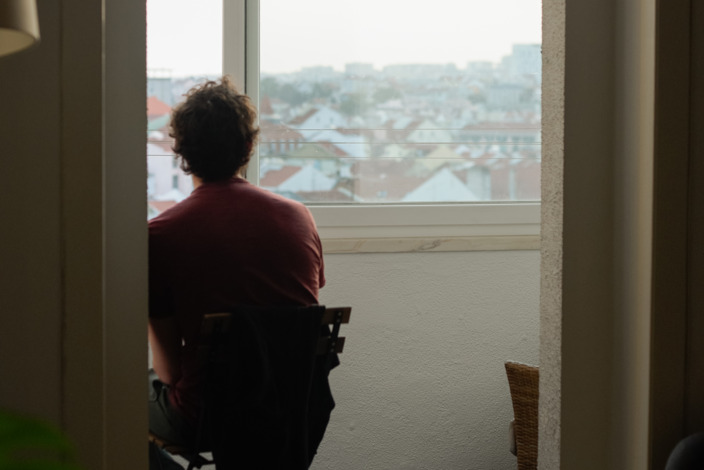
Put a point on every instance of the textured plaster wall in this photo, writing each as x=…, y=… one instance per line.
x=422, y=383
x=551, y=233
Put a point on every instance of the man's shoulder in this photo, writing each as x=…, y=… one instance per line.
x=170, y=217
x=262, y=196
x=237, y=200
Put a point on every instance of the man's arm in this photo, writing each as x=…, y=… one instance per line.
x=165, y=341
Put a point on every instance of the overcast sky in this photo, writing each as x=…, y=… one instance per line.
x=185, y=35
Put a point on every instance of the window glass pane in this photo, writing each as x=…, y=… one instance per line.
x=400, y=101
x=184, y=47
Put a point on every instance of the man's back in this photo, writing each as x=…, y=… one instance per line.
x=229, y=243
x=239, y=242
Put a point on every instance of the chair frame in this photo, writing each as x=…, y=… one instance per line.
x=215, y=324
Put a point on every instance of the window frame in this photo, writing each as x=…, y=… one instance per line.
x=382, y=227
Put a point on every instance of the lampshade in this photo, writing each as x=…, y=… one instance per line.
x=19, y=25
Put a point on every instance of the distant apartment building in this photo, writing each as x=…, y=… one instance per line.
x=160, y=88
x=526, y=61
x=420, y=71
x=359, y=69
x=317, y=73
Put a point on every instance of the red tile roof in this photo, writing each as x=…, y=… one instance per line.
x=385, y=179
x=298, y=120
x=156, y=107
x=331, y=147
x=163, y=145
x=278, y=132
x=334, y=195
x=161, y=206
x=265, y=105
x=274, y=178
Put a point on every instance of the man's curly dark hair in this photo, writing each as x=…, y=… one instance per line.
x=214, y=130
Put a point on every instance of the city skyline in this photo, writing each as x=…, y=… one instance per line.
x=416, y=133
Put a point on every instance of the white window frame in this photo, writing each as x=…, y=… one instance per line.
x=390, y=227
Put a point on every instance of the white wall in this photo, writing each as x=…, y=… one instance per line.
x=422, y=382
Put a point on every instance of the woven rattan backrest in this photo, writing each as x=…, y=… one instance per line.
x=523, y=383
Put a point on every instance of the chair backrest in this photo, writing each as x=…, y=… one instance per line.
x=267, y=397
x=523, y=383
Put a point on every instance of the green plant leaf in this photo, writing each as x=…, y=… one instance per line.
x=38, y=465
x=28, y=443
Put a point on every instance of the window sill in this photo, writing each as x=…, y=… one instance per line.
x=427, y=245
x=428, y=228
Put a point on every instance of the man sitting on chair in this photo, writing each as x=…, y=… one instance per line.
x=229, y=243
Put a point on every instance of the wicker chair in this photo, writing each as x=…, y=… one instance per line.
x=523, y=383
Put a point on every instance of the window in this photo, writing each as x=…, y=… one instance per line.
x=177, y=59
x=389, y=119
x=400, y=103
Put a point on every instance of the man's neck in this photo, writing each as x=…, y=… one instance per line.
x=197, y=181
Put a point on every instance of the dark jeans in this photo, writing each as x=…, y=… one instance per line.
x=167, y=423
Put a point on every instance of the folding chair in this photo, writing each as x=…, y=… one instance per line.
x=267, y=400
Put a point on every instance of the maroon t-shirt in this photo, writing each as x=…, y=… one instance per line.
x=229, y=243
